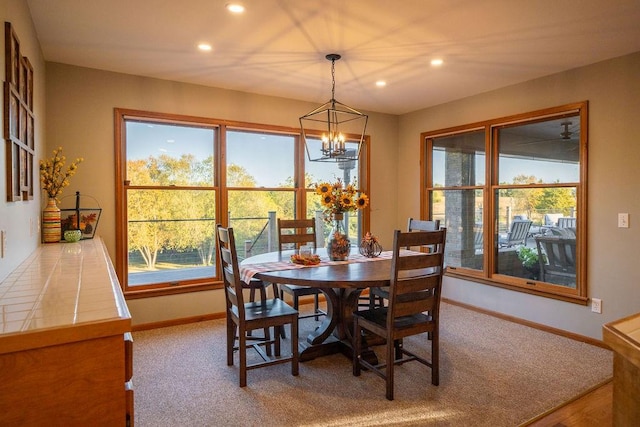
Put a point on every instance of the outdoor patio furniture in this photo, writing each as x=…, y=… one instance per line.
x=551, y=220
x=517, y=235
x=559, y=266
x=566, y=222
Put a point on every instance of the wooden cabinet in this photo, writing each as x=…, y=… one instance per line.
x=623, y=336
x=65, y=348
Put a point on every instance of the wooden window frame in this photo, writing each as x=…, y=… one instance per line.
x=122, y=115
x=579, y=295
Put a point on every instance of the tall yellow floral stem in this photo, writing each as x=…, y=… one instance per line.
x=52, y=176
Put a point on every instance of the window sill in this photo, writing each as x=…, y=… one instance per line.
x=528, y=289
x=173, y=290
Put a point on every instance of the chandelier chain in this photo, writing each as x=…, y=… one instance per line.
x=333, y=79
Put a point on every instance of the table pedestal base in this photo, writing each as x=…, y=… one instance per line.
x=333, y=346
x=334, y=335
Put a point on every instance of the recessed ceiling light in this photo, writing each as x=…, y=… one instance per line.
x=205, y=47
x=437, y=62
x=381, y=83
x=235, y=7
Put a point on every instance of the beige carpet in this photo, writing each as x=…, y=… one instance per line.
x=493, y=373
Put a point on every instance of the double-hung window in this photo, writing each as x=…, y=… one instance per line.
x=512, y=194
x=179, y=176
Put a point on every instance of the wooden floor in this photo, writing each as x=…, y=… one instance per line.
x=593, y=409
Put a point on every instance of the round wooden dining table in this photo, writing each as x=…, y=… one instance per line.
x=341, y=285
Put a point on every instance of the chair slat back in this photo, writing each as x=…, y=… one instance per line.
x=230, y=269
x=416, y=279
x=560, y=252
x=293, y=233
x=566, y=222
x=422, y=225
x=519, y=231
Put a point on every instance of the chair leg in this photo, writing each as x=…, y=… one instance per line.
x=280, y=292
x=252, y=298
x=231, y=340
x=242, y=346
x=397, y=344
x=389, y=369
x=357, y=343
x=372, y=300
x=435, y=358
x=267, y=333
x=375, y=301
x=267, y=338
x=316, y=307
x=295, y=355
x=276, y=340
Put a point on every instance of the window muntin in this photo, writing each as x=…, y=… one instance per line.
x=459, y=160
x=171, y=235
x=251, y=212
x=547, y=208
x=536, y=174
x=170, y=203
x=456, y=195
x=169, y=154
x=461, y=210
x=548, y=150
x=319, y=172
x=267, y=160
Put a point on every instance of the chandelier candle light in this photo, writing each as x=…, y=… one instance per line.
x=330, y=121
x=336, y=200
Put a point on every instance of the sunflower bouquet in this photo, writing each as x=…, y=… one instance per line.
x=52, y=176
x=338, y=198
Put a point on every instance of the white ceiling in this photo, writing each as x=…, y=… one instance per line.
x=278, y=47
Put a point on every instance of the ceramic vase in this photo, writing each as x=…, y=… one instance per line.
x=51, y=222
x=338, y=246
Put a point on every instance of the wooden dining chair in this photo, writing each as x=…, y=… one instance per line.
x=292, y=234
x=245, y=317
x=414, y=307
x=377, y=296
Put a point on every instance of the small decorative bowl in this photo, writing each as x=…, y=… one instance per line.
x=72, y=235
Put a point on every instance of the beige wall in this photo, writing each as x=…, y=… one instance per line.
x=78, y=115
x=613, y=91
x=20, y=219
x=81, y=103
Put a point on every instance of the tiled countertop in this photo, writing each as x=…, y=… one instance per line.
x=65, y=286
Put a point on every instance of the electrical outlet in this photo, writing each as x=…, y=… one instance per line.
x=596, y=305
x=623, y=220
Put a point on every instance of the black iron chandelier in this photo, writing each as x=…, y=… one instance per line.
x=333, y=132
